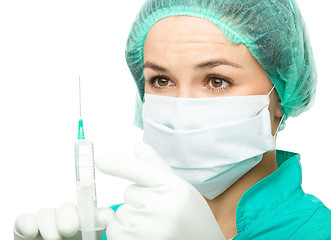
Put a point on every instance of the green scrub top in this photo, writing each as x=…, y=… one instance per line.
x=277, y=208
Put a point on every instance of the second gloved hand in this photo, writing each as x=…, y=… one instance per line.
x=55, y=224
x=160, y=205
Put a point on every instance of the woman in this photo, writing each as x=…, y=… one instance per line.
x=216, y=81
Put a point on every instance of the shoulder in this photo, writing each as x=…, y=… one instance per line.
x=318, y=225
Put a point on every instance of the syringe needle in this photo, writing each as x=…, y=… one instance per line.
x=80, y=101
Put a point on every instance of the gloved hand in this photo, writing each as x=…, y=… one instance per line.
x=160, y=205
x=56, y=224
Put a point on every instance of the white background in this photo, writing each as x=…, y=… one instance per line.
x=46, y=45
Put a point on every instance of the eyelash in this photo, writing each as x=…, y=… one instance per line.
x=152, y=81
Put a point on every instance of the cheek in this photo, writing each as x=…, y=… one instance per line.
x=272, y=108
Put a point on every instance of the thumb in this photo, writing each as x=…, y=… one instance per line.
x=134, y=169
x=145, y=152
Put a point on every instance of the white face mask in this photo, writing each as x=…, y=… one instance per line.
x=209, y=142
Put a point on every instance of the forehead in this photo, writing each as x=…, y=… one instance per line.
x=193, y=39
x=186, y=29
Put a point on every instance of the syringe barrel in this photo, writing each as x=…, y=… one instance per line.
x=86, y=192
x=84, y=156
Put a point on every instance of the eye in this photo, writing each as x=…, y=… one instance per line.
x=215, y=82
x=218, y=83
x=161, y=82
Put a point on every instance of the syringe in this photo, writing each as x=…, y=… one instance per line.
x=85, y=179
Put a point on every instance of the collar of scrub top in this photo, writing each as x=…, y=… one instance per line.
x=270, y=194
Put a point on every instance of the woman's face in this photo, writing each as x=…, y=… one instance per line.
x=189, y=57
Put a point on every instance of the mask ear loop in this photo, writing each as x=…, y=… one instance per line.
x=271, y=90
x=281, y=120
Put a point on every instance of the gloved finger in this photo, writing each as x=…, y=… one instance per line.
x=135, y=196
x=67, y=219
x=127, y=217
x=26, y=225
x=46, y=219
x=105, y=216
x=116, y=231
x=133, y=169
x=146, y=152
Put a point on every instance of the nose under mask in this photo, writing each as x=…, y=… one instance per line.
x=209, y=142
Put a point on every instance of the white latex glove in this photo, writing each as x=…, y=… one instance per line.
x=160, y=206
x=56, y=224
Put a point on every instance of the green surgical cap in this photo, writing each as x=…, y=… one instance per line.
x=273, y=31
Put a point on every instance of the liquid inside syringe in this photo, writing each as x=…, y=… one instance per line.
x=86, y=191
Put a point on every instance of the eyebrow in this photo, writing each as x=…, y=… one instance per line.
x=204, y=65
x=215, y=63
